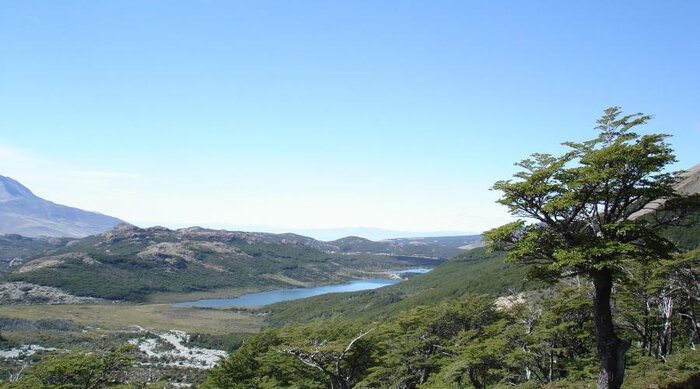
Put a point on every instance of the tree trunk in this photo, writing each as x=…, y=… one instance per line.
x=646, y=337
x=666, y=308
x=473, y=378
x=693, y=328
x=424, y=372
x=529, y=325
x=611, y=349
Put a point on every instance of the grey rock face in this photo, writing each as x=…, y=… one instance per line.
x=23, y=213
x=690, y=181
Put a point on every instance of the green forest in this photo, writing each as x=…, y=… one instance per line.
x=545, y=339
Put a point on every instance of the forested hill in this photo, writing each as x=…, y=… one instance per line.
x=435, y=247
x=130, y=263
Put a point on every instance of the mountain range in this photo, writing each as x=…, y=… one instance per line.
x=24, y=213
x=131, y=263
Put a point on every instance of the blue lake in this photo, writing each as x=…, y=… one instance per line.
x=420, y=270
x=276, y=296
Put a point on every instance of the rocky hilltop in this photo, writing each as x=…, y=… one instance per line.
x=690, y=181
x=131, y=263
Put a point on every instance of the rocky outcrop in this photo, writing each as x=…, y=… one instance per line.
x=57, y=260
x=690, y=181
x=688, y=184
x=19, y=293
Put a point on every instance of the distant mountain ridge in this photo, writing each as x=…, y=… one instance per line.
x=435, y=247
x=131, y=263
x=24, y=213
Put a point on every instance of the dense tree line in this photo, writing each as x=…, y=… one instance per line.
x=542, y=337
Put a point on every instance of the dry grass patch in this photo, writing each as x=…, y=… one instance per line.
x=222, y=293
x=157, y=317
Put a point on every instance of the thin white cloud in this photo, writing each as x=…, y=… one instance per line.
x=25, y=163
x=63, y=182
x=10, y=155
x=97, y=174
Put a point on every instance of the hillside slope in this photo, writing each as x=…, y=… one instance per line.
x=475, y=271
x=433, y=247
x=130, y=263
x=15, y=249
x=23, y=213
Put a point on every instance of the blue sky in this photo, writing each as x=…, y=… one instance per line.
x=307, y=115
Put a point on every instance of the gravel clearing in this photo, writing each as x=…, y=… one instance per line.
x=176, y=353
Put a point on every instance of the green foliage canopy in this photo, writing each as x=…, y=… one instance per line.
x=79, y=369
x=584, y=203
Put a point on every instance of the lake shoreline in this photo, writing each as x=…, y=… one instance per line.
x=262, y=298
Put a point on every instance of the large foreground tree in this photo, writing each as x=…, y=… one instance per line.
x=591, y=211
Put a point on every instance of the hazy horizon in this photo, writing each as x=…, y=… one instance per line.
x=329, y=234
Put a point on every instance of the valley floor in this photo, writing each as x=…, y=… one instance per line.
x=157, y=317
x=178, y=342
